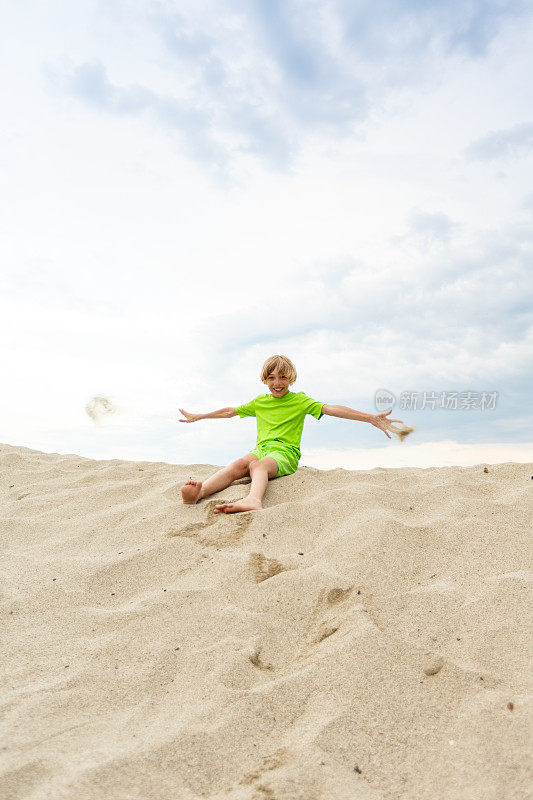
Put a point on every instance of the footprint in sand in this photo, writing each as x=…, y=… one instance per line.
x=263, y=567
x=255, y=659
x=337, y=595
x=321, y=622
x=271, y=762
x=433, y=665
x=216, y=530
x=328, y=630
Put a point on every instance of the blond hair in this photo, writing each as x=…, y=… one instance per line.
x=283, y=364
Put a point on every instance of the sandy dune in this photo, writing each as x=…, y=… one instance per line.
x=367, y=635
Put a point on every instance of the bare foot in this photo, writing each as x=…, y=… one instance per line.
x=243, y=505
x=190, y=492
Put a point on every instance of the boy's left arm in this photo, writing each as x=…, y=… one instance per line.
x=378, y=420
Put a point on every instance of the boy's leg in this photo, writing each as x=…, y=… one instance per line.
x=192, y=491
x=261, y=471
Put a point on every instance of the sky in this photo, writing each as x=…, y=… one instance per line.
x=190, y=187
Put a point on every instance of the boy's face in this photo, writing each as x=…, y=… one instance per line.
x=278, y=383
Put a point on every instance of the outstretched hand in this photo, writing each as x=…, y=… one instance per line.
x=189, y=417
x=381, y=421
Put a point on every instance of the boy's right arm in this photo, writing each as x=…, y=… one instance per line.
x=222, y=413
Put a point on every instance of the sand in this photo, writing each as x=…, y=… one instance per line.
x=366, y=635
x=97, y=408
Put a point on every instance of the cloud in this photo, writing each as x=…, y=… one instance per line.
x=429, y=228
x=389, y=29
x=455, y=317
x=314, y=86
x=89, y=83
x=515, y=141
x=527, y=202
x=260, y=78
x=268, y=86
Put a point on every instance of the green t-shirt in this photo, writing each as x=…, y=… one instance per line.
x=280, y=420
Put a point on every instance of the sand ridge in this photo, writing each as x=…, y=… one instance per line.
x=365, y=635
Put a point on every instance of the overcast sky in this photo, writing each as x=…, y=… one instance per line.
x=191, y=186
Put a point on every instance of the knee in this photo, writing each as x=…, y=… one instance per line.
x=255, y=465
x=240, y=467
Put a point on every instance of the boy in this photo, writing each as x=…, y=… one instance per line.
x=280, y=418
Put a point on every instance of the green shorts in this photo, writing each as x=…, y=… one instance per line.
x=287, y=461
